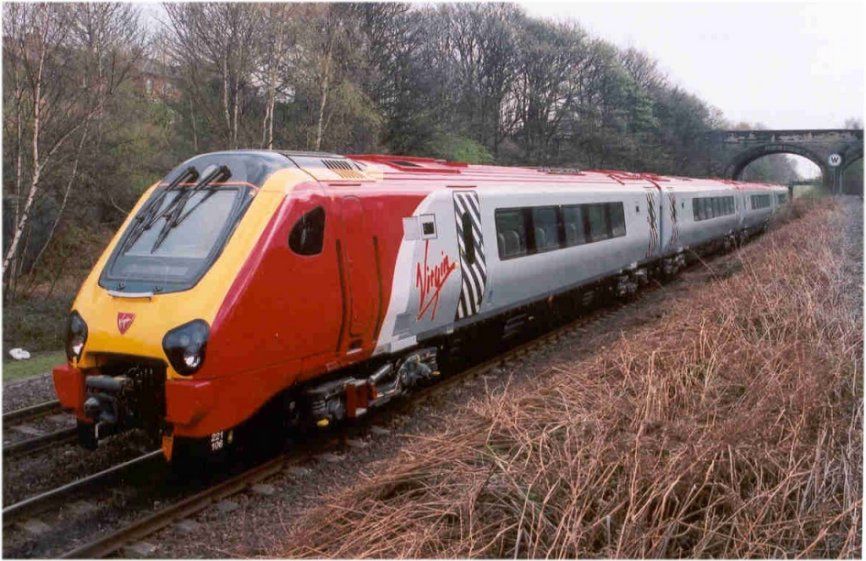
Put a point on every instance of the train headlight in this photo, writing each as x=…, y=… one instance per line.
x=76, y=335
x=185, y=346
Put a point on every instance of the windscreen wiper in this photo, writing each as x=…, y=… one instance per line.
x=174, y=211
x=148, y=215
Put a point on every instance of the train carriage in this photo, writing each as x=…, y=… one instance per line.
x=309, y=287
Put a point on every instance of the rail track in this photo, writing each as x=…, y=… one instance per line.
x=32, y=412
x=184, y=507
x=147, y=525
x=37, y=504
x=39, y=441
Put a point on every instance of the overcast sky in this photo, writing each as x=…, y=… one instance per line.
x=782, y=64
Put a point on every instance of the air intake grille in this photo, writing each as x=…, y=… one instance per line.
x=343, y=168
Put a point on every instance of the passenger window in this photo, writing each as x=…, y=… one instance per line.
x=697, y=209
x=308, y=233
x=597, y=222
x=617, y=219
x=468, y=238
x=572, y=216
x=546, y=228
x=511, y=233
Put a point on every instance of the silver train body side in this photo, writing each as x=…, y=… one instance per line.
x=664, y=218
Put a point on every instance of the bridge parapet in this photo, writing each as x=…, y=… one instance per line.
x=832, y=150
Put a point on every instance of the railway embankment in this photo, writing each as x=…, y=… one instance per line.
x=725, y=422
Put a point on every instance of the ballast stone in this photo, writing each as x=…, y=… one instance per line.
x=263, y=489
x=141, y=549
x=35, y=527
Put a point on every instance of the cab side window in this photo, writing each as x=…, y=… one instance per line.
x=308, y=233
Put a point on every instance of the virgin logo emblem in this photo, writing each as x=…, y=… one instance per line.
x=124, y=321
x=430, y=280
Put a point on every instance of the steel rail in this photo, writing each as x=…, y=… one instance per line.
x=40, y=442
x=152, y=523
x=25, y=413
x=104, y=546
x=43, y=501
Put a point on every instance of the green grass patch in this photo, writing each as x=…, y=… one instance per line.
x=36, y=324
x=37, y=364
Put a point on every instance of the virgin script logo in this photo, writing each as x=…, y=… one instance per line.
x=430, y=280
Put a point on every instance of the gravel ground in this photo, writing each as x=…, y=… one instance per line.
x=256, y=522
x=30, y=391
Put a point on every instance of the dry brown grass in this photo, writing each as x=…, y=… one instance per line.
x=731, y=427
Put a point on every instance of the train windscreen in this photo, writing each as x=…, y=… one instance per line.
x=181, y=229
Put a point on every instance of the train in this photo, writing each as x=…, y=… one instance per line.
x=309, y=288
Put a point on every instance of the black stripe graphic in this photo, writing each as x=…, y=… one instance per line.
x=474, y=274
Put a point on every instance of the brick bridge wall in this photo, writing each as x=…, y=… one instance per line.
x=733, y=150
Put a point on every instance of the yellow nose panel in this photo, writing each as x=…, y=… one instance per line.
x=136, y=326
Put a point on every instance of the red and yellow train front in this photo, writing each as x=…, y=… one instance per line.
x=207, y=302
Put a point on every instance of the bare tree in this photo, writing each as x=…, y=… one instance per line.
x=216, y=42
x=481, y=42
x=643, y=69
x=109, y=42
x=65, y=61
x=551, y=58
x=277, y=60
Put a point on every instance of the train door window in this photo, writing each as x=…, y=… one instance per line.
x=616, y=216
x=546, y=228
x=511, y=233
x=597, y=216
x=698, y=209
x=572, y=216
x=308, y=233
x=468, y=238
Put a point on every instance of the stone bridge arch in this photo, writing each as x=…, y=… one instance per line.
x=733, y=150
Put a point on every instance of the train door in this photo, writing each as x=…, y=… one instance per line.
x=360, y=276
x=473, y=264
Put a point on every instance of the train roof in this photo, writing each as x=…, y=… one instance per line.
x=427, y=173
x=404, y=167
